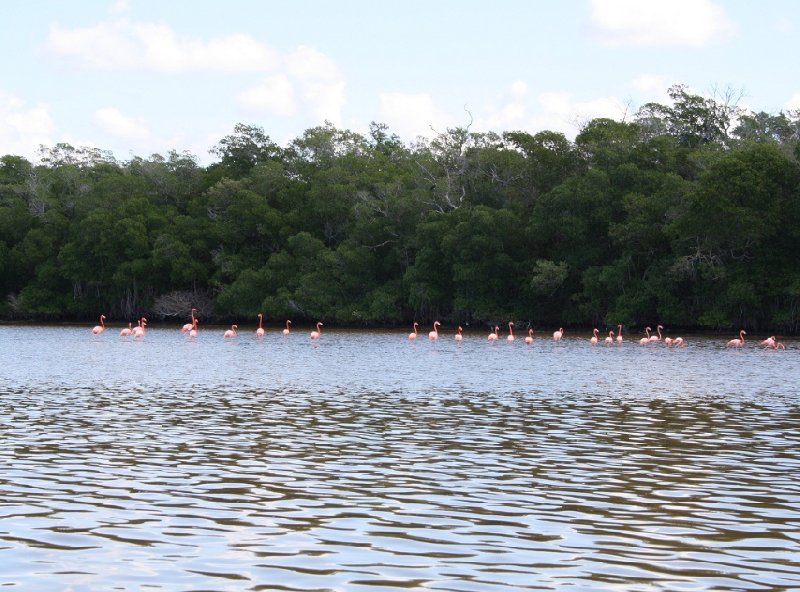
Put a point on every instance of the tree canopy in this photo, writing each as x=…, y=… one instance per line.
x=687, y=214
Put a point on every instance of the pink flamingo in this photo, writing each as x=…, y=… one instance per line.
x=679, y=342
x=188, y=326
x=413, y=334
x=529, y=337
x=286, y=329
x=657, y=337
x=127, y=331
x=317, y=333
x=139, y=330
x=434, y=335
x=260, y=330
x=619, y=333
x=193, y=330
x=779, y=345
x=668, y=341
x=510, y=337
x=231, y=332
x=737, y=342
x=769, y=342
x=557, y=335
x=610, y=338
x=458, y=336
x=645, y=340
x=97, y=329
x=594, y=339
x=494, y=335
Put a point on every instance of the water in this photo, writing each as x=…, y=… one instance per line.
x=367, y=462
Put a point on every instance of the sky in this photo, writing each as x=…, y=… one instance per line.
x=145, y=77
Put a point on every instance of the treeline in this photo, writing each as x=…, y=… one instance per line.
x=687, y=215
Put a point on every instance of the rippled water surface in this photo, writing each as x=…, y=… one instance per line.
x=368, y=462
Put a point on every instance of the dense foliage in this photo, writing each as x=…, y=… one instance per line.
x=688, y=215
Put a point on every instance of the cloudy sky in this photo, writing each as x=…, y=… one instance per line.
x=138, y=77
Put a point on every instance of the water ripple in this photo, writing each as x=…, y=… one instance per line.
x=297, y=468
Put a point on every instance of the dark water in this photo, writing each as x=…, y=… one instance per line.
x=366, y=462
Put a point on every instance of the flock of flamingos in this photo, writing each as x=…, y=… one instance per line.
x=191, y=329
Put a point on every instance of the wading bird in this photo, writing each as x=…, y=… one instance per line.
x=97, y=329
x=260, y=330
x=737, y=342
x=188, y=326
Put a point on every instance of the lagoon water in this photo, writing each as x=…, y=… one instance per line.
x=364, y=461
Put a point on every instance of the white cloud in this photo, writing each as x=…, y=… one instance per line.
x=691, y=23
x=794, y=102
x=124, y=45
x=511, y=113
x=114, y=122
x=784, y=25
x=557, y=111
x=412, y=115
x=320, y=83
x=120, y=7
x=22, y=128
x=652, y=88
x=309, y=81
x=274, y=95
x=568, y=115
x=651, y=83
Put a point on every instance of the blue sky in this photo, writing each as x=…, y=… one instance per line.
x=144, y=77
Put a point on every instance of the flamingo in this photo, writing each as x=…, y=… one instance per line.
x=188, y=326
x=231, y=332
x=510, y=337
x=679, y=342
x=97, y=329
x=286, y=329
x=260, y=330
x=317, y=333
x=769, y=342
x=645, y=340
x=668, y=341
x=458, y=336
x=737, y=342
x=557, y=335
x=434, y=335
x=779, y=345
x=493, y=336
x=193, y=331
x=657, y=338
x=593, y=340
x=619, y=333
x=610, y=338
x=139, y=330
x=127, y=331
x=529, y=338
x=413, y=334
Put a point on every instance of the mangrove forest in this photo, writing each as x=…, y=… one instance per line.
x=685, y=214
